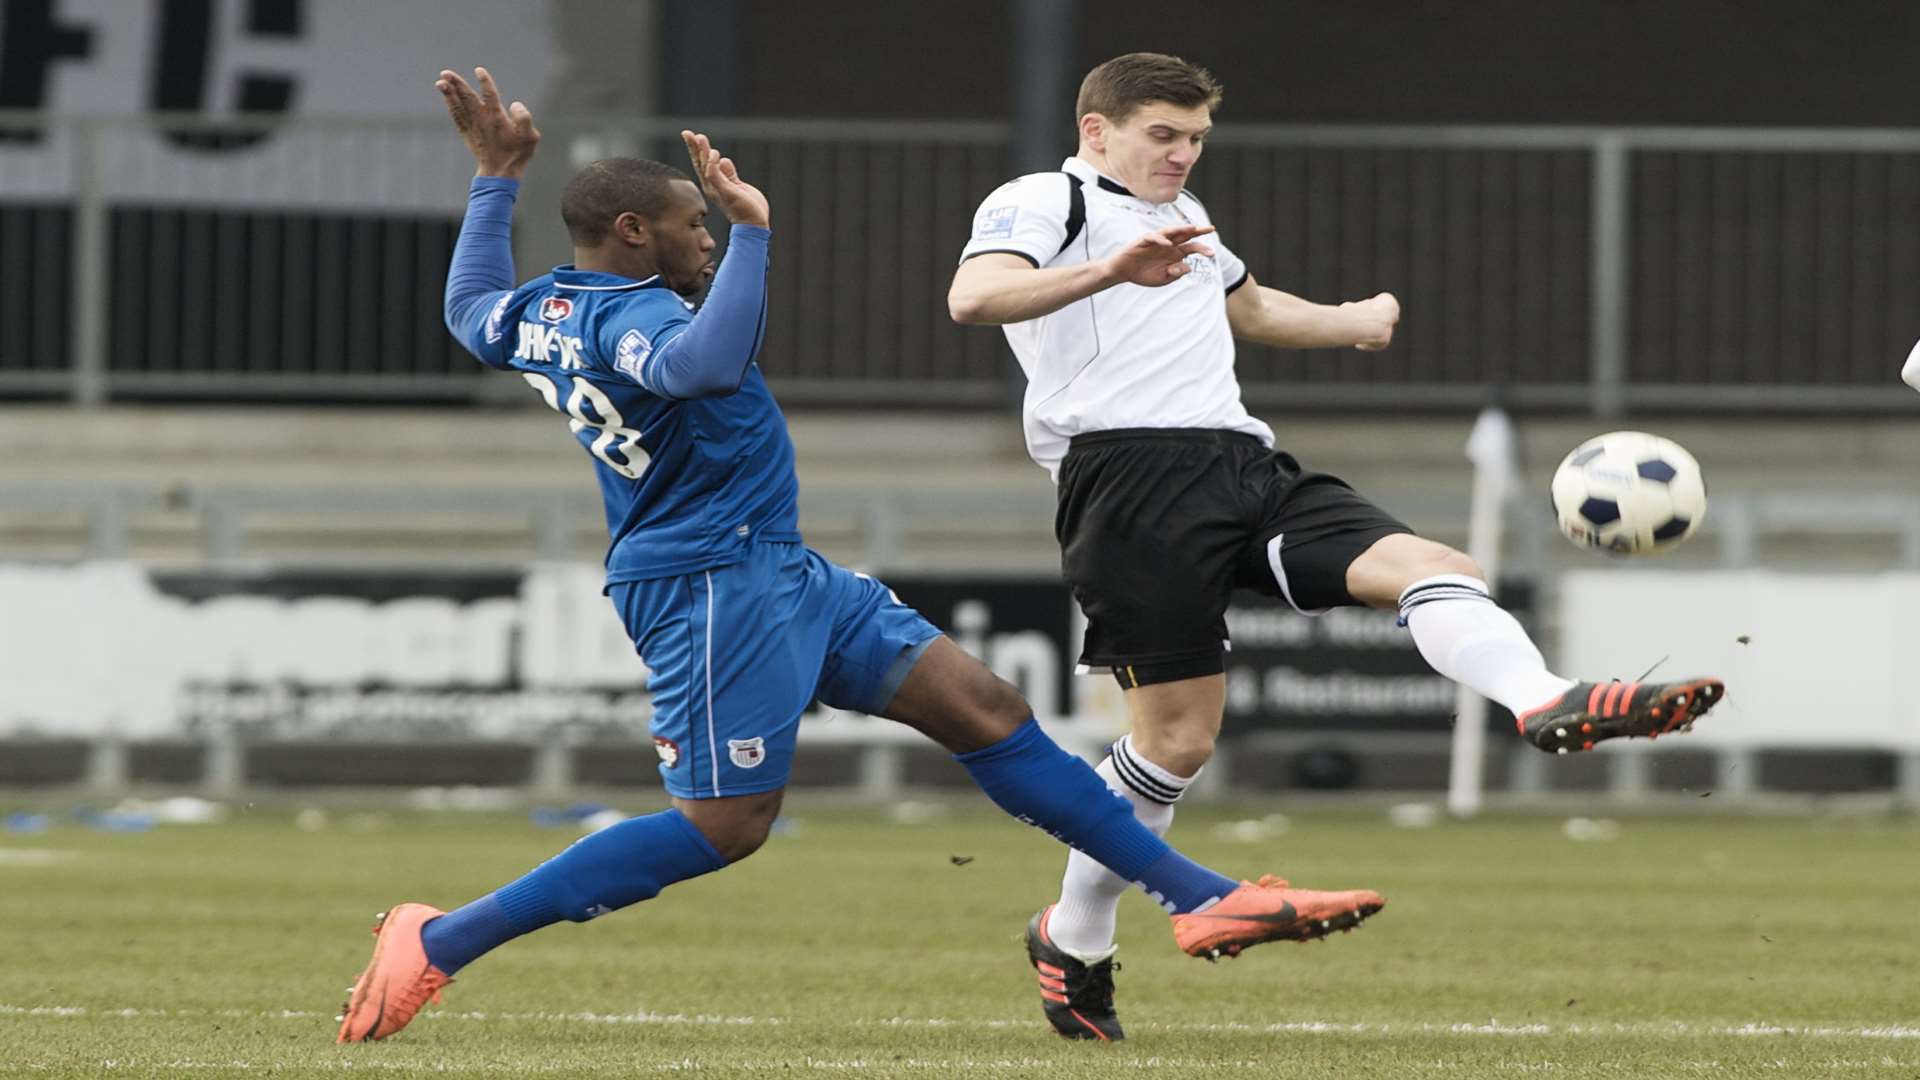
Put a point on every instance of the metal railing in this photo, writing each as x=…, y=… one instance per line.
x=223, y=516
x=1572, y=268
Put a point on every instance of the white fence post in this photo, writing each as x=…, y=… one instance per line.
x=1490, y=448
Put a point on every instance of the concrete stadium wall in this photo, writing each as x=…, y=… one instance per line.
x=1412, y=465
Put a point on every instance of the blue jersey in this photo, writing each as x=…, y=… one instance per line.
x=689, y=483
x=741, y=627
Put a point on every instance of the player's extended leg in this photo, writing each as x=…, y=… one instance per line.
x=954, y=699
x=734, y=654
x=418, y=949
x=1174, y=725
x=1442, y=597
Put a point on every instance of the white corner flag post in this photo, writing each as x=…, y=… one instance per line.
x=1491, y=449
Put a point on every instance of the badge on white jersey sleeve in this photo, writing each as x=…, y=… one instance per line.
x=1025, y=217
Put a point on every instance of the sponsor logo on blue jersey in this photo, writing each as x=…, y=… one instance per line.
x=555, y=308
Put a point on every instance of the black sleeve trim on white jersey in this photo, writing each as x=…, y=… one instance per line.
x=1244, y=275
x=1001, y=251
x=1076, y=210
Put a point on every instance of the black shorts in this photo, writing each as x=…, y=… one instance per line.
x=1157, y=527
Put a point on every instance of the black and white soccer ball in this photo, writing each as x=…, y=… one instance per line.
x=1629, y=493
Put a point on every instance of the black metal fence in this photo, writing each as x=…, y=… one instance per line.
x=36, y=252
x=1488, y=250
x=212, y=301
x=1765, y=268
x=1572, y=268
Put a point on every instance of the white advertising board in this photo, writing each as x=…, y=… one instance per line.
x=1810, y=660
x=101, y=649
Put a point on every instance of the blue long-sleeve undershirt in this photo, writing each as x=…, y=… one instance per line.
x=483, y=256
x=710, y=358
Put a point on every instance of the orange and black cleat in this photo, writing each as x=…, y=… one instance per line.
x=398, y=980
x=1591, y=713
x=1076, y=996
x=1270, y=910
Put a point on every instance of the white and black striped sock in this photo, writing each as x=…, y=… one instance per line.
x=1083, y=921
x=1472, y=640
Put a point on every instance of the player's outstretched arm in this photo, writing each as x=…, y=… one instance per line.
x=1272, y=317
x=995, y=288
x=502, y=141
x=712, y=356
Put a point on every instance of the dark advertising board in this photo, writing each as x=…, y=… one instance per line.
x=1350, y=669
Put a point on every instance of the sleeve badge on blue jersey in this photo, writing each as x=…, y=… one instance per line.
x=496, y=328
x=632, y=353
x=995, y=224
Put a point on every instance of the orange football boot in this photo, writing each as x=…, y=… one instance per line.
x=398, y=980
x=1593, y=712
x=1270, y=910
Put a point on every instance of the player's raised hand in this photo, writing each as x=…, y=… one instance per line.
x=1373, y=321
x=502, y=138
x=1158, y=257
x=743, y=203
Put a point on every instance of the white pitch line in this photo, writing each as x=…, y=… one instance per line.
x=35, y=857
x=787, y=1067
x=1671, y=1029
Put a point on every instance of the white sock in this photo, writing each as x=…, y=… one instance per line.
x=1472, y=640
x=1082, y=922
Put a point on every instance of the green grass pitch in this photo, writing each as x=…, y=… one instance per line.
x=1707, y=945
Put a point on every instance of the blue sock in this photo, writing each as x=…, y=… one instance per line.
x=606, y=871
x=1029, y=776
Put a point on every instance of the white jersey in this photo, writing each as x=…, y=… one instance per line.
x=1129, y=356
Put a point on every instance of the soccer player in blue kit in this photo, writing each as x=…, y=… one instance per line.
x=741, y=625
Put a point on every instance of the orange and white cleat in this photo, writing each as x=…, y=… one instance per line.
x=1593, y=712
x=1270, y=910
x=398, y=980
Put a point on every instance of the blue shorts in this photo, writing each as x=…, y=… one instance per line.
x=737, y=654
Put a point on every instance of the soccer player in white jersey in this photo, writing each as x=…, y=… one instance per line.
x=1122, y=304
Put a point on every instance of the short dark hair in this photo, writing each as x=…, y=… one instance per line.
x=1118, y=87
x=606, y=189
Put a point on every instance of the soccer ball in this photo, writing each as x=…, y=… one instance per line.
x=1629, y=492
